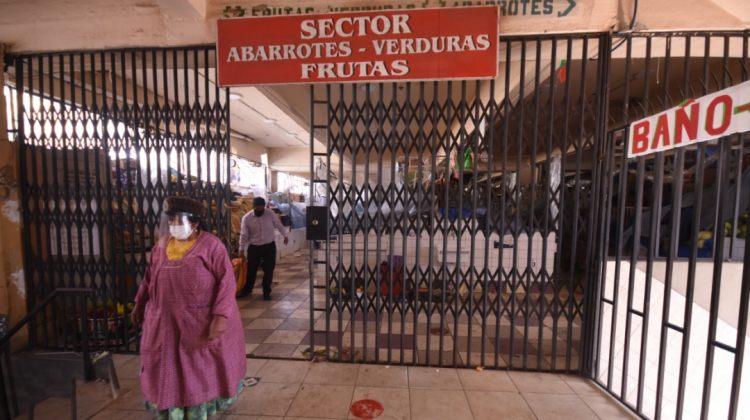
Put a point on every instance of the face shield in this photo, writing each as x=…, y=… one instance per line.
x=176, y=225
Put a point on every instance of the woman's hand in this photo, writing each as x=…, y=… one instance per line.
x=218, y=327
x=137, y=315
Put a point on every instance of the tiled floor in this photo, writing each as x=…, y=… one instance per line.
x=281, y=328
x=300, y=390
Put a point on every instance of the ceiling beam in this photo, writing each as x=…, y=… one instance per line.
x=183, y=9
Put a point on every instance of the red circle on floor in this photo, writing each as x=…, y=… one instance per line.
x=367, y=409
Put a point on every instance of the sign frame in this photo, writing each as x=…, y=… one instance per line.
x=494, y=37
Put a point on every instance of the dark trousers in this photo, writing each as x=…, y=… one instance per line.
x=260, y=255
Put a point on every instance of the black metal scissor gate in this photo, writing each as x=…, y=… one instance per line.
x=104, y=138
x=461, y=239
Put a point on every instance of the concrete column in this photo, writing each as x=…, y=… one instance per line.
x=12, y=280
x=274, y=181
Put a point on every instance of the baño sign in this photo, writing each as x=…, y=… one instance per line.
x=695, y=120
x=424, y=44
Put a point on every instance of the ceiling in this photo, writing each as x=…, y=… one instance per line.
x=276, y=119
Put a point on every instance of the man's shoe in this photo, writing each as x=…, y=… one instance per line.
x=266, y=297
x=243, y=295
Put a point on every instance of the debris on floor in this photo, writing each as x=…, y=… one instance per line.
x=251, y=382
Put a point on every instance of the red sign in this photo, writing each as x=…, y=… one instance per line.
x=695, y=120
x=460, y=43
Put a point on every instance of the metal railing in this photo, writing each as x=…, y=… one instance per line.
x=673, y=304
x=8, y=403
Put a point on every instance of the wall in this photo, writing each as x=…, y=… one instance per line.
x=731, y=283
x=12, y=281
x=247, y=149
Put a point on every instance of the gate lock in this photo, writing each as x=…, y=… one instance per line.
x=317, y=223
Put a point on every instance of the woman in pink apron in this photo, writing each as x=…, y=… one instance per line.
x=192, y=347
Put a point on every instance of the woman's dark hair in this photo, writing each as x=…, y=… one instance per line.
x=201, y=224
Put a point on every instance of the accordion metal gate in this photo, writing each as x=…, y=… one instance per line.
x=459, y=212
x=104, y=138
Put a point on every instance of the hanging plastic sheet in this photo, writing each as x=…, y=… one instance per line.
x=555, y=168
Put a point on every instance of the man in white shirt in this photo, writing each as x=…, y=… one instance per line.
x=257, y=234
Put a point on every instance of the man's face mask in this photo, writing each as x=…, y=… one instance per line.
x=259, y=211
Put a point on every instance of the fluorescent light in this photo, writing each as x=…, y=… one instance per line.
x=269, y=121
x=291, y=134
x=233, y=95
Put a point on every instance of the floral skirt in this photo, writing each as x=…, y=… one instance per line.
x=195, y=412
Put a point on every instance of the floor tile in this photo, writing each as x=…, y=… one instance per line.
x=294, y=297
x=130, y=369
x=559, y=407
x=308, y=418
x=439, y=404
x=395, y=402
x=488, y=406
x=333, y=374
x=284, y=371
x=250, y=348
x=285, y=337
x=93, y=397
x=276, y=294
x=435, y=358
x=251, y=313
x=296, y=324
x=304, y=314
x=256, y=336
x=582, y=386
x=607, y=407
x=486, y=380
x=266, y=399
x=254, y=366
x=539, y=382
x=300, y=291
x=131, y=400
x=429, y=378
x=383, y=376
x=334, y=339
x=395, y=339
x=264, y=324
x=258, y=304
x=287, y=305
x=277, y=313
x=109, y=414
x=122, y=359
x=334, y=325
x=274, y=350
x=328, y=401
x=247, y=417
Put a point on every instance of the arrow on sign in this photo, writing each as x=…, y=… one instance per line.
x=572, y=6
